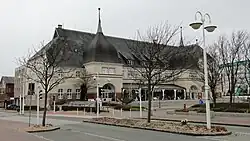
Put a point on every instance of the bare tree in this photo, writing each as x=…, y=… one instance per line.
x=46, y=67
x=155, y=59
x=86, y=82
x=214, y=70
x=247, y=62
x=230, y=51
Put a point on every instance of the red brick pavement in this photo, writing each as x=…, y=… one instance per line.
x=12, y=131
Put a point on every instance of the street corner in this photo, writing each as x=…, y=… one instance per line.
x=40, y=128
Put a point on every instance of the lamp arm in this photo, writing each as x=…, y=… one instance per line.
x=198, y=12
x=208, y=16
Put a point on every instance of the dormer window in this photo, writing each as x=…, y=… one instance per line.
x=130, y=62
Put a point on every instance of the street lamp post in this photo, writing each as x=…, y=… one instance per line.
x=20, y=98
x=97, y=95
x=23, y=97
x=21, y=105
x=210, y=28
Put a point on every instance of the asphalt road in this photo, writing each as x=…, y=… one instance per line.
x=72, y=129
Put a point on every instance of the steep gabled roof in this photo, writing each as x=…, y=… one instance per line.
x=7, y=79
x=100, y=49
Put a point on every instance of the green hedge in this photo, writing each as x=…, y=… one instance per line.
x=181, y=110
x=128, y=107
x=34, y=108
x=74, y=108
x=224, y=105
x=111, y=104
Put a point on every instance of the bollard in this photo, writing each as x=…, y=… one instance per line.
x=77, y=111
x=185, y=107
x=121, y=112
x=130, y=114
x=90, y=111
x=84, y=111
x=113, y=112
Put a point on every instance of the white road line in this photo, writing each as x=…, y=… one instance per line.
x=242, y=133
x=212, y=138
x=41, y=137
x=99, y=136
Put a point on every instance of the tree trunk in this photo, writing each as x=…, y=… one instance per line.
x=214, y=97
x=231, y=94
x=45, y=108
x=149, y=103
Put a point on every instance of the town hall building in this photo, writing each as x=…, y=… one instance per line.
x=107, y=60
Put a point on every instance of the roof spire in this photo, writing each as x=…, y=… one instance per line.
x=99, y=22
x=181, y=39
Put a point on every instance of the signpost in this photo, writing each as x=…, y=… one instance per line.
x=140, y=103
x=30, y=93
x=54, y=103
x=39, y=96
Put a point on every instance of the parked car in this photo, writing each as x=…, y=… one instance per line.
x=12, y=107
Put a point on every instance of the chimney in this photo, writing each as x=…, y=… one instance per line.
x=59, y=26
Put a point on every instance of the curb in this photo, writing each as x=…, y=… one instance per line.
x=224, y=114
x=202, y=122
x=43, y=130
x=161, y=130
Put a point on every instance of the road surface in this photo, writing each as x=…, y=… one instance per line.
x=72, y=129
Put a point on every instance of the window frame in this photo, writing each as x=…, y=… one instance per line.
x=78, y=74
x=69, y=93
x=60, y=93
x=78, y=94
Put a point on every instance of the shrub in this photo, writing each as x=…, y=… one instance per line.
x=218, y=109
x=61, y=102
x=236, y=110
x=128, y=107
x=184, y=122
x=87, y=109
x=201, y=110
x=181, y=110
x=111, y=104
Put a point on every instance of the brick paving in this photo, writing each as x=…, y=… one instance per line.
x=12, y=131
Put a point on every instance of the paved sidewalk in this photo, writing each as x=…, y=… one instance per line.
x=224, y=120
x=240, y=121
x=233, y=121
x=12, y=131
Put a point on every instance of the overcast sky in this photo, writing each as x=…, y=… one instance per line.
x=25, y=23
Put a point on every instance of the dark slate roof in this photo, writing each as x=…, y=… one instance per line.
x=101, y=50
x=7, y=79
x=82, y=41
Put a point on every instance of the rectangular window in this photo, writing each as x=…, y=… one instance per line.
x=123, y=73
x=77, y=73
x=130, y=62
x=69, y=93
x=130, y=73
x=60, y=73
x=111, y=70
x=78, y=93
x=105, y=70
x=60, y=93
x=108, y=70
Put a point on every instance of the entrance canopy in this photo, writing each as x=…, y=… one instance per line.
x=165, y=86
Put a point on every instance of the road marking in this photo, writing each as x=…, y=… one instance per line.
x=41, y=137
x=242, y=133
x=99, y=136
x=212, y=138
